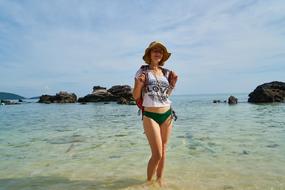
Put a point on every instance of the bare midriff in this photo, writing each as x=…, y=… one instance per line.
x=157, y=109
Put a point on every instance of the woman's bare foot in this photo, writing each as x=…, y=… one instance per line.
x=160, y=182
x=148, y=183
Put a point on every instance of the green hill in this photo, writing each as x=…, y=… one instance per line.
x=10, y=96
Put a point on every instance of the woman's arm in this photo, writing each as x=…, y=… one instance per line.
x=139, y=83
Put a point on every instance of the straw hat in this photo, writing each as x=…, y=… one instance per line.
x=153, y=44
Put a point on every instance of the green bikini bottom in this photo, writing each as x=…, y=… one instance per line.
x=158, y=117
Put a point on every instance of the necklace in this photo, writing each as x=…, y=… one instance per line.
x=156, y=72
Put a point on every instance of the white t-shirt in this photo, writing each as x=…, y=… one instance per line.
x=155, y=93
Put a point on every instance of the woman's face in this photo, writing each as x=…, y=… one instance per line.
x=156, y=55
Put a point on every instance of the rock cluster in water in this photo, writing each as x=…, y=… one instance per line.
x=268, y=93
x=122, y=94
x=9, y=102
x=231, y=100
x=61, y=97
x=219, y=101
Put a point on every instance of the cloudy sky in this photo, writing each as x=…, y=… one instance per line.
x=71, y=45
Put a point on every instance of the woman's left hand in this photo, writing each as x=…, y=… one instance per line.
x=173, y=78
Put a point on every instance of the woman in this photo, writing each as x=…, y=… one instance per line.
x=153, y=84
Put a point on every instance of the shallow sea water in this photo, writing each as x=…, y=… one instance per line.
x=102, y=146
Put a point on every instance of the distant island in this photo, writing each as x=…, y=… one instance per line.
x=36, y=97
x=10, y=96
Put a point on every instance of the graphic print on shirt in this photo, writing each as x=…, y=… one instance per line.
x=156, y=90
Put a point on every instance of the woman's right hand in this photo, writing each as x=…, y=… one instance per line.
x=141, y=78
x=139, y=84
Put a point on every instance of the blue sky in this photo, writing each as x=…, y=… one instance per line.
x=71, y=45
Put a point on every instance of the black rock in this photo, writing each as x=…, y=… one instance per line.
x=98, y=95
x=125, y=101
x=121, y=91
x=95, y=88
x=122, y=101
x=122, y=94
x=219, y=101
x=8, y=102
x=232, y=100
x=268, y=92
x=97, y=98
x=61, y=97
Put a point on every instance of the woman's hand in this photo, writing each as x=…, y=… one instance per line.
x=141, y=78
x=172, y=82
x=173, y=79
x=139, y=83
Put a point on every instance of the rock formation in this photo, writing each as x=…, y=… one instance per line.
x=268, y=92
x=8, y=102
x=118, y=93
x=61, y=97
x=232, y=100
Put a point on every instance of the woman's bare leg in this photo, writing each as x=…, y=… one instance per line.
x=165, y=131
x=153, y=134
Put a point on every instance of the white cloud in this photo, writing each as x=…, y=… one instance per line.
x=74, y=45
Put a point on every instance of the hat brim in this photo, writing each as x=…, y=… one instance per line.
x=165, y=56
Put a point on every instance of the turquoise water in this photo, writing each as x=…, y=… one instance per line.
x=102, y=146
